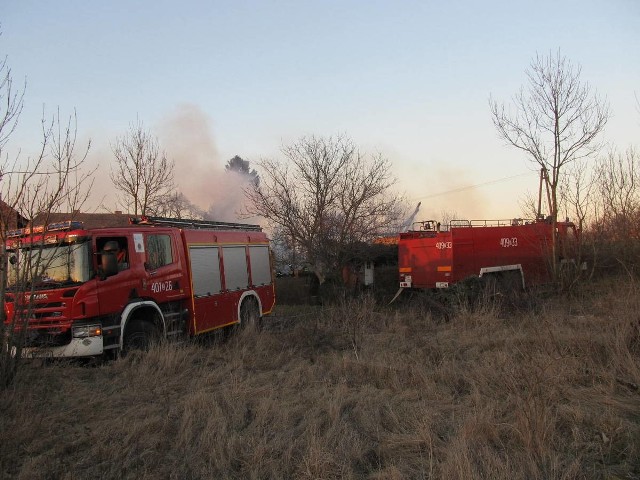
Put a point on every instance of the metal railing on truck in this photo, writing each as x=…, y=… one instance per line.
x=511, y=222
x=434, y=226
x=196, y=224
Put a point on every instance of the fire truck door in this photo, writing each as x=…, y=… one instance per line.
x=114, y=291
x=164, y=279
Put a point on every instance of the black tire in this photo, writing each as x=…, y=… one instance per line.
x=250, y=313
x=140, y=335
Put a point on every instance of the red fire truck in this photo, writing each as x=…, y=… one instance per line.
x=109, y=289
x=431, y=257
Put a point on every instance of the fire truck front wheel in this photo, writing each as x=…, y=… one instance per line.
x=140, y=335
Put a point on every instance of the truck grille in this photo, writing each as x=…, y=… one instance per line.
x=43, y=314
x=45, y=338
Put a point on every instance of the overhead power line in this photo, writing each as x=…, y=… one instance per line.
x=468, y=187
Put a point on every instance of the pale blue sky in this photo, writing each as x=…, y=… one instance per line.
x=410, y=79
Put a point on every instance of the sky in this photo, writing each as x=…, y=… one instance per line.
x=408, y=79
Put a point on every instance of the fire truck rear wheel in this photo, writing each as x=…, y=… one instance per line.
x=249, y=313
x=140, y=335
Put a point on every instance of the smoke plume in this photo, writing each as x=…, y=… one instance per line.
x=187, y=137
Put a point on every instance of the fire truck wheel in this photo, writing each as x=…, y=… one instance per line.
x=249, y=313
x=140, y=335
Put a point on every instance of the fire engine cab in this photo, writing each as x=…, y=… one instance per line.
x=75, y=292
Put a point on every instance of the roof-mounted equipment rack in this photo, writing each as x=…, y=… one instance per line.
x=190, y=223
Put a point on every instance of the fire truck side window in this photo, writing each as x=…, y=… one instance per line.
x=117, y=246
x=158, y=251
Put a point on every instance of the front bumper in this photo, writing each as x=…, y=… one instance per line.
x=78, y=347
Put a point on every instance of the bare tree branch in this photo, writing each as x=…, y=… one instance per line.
x=325, y=196
x=11, y=103
x=142, y=174
x=618, y=176
x=52, y=180
x=177, y=205
x=555, y=120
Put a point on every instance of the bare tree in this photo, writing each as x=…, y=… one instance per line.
x=578, y=198
x=618, y=176
x=446, y=217
x=177, y=205
x=528, y=205
x=577, y=194
x=557, y=119
x=142, y=174
x=326, y=197
x=285, y=256
x=51, y=181
x=11, y=103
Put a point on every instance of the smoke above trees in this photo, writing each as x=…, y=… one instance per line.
x=200, y=173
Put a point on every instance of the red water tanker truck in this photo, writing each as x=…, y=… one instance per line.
x=433, y=257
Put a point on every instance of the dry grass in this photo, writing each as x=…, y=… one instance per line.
x=351, y=392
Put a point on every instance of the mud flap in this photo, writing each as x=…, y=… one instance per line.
x=396, y=295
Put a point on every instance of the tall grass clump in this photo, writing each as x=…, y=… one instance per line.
x=351, y=390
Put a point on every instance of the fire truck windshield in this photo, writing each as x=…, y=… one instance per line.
x=49, y=266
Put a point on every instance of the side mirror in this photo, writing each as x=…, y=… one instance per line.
x=109, y=264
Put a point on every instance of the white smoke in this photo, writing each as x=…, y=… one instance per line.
x=187, y=137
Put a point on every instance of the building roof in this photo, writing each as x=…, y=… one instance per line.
x=10, y=217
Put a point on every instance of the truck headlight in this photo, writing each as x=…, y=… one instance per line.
x=85, y=331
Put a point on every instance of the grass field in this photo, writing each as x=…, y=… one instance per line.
x=549, y=391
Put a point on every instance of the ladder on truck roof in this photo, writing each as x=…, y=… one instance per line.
x=197, y=224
